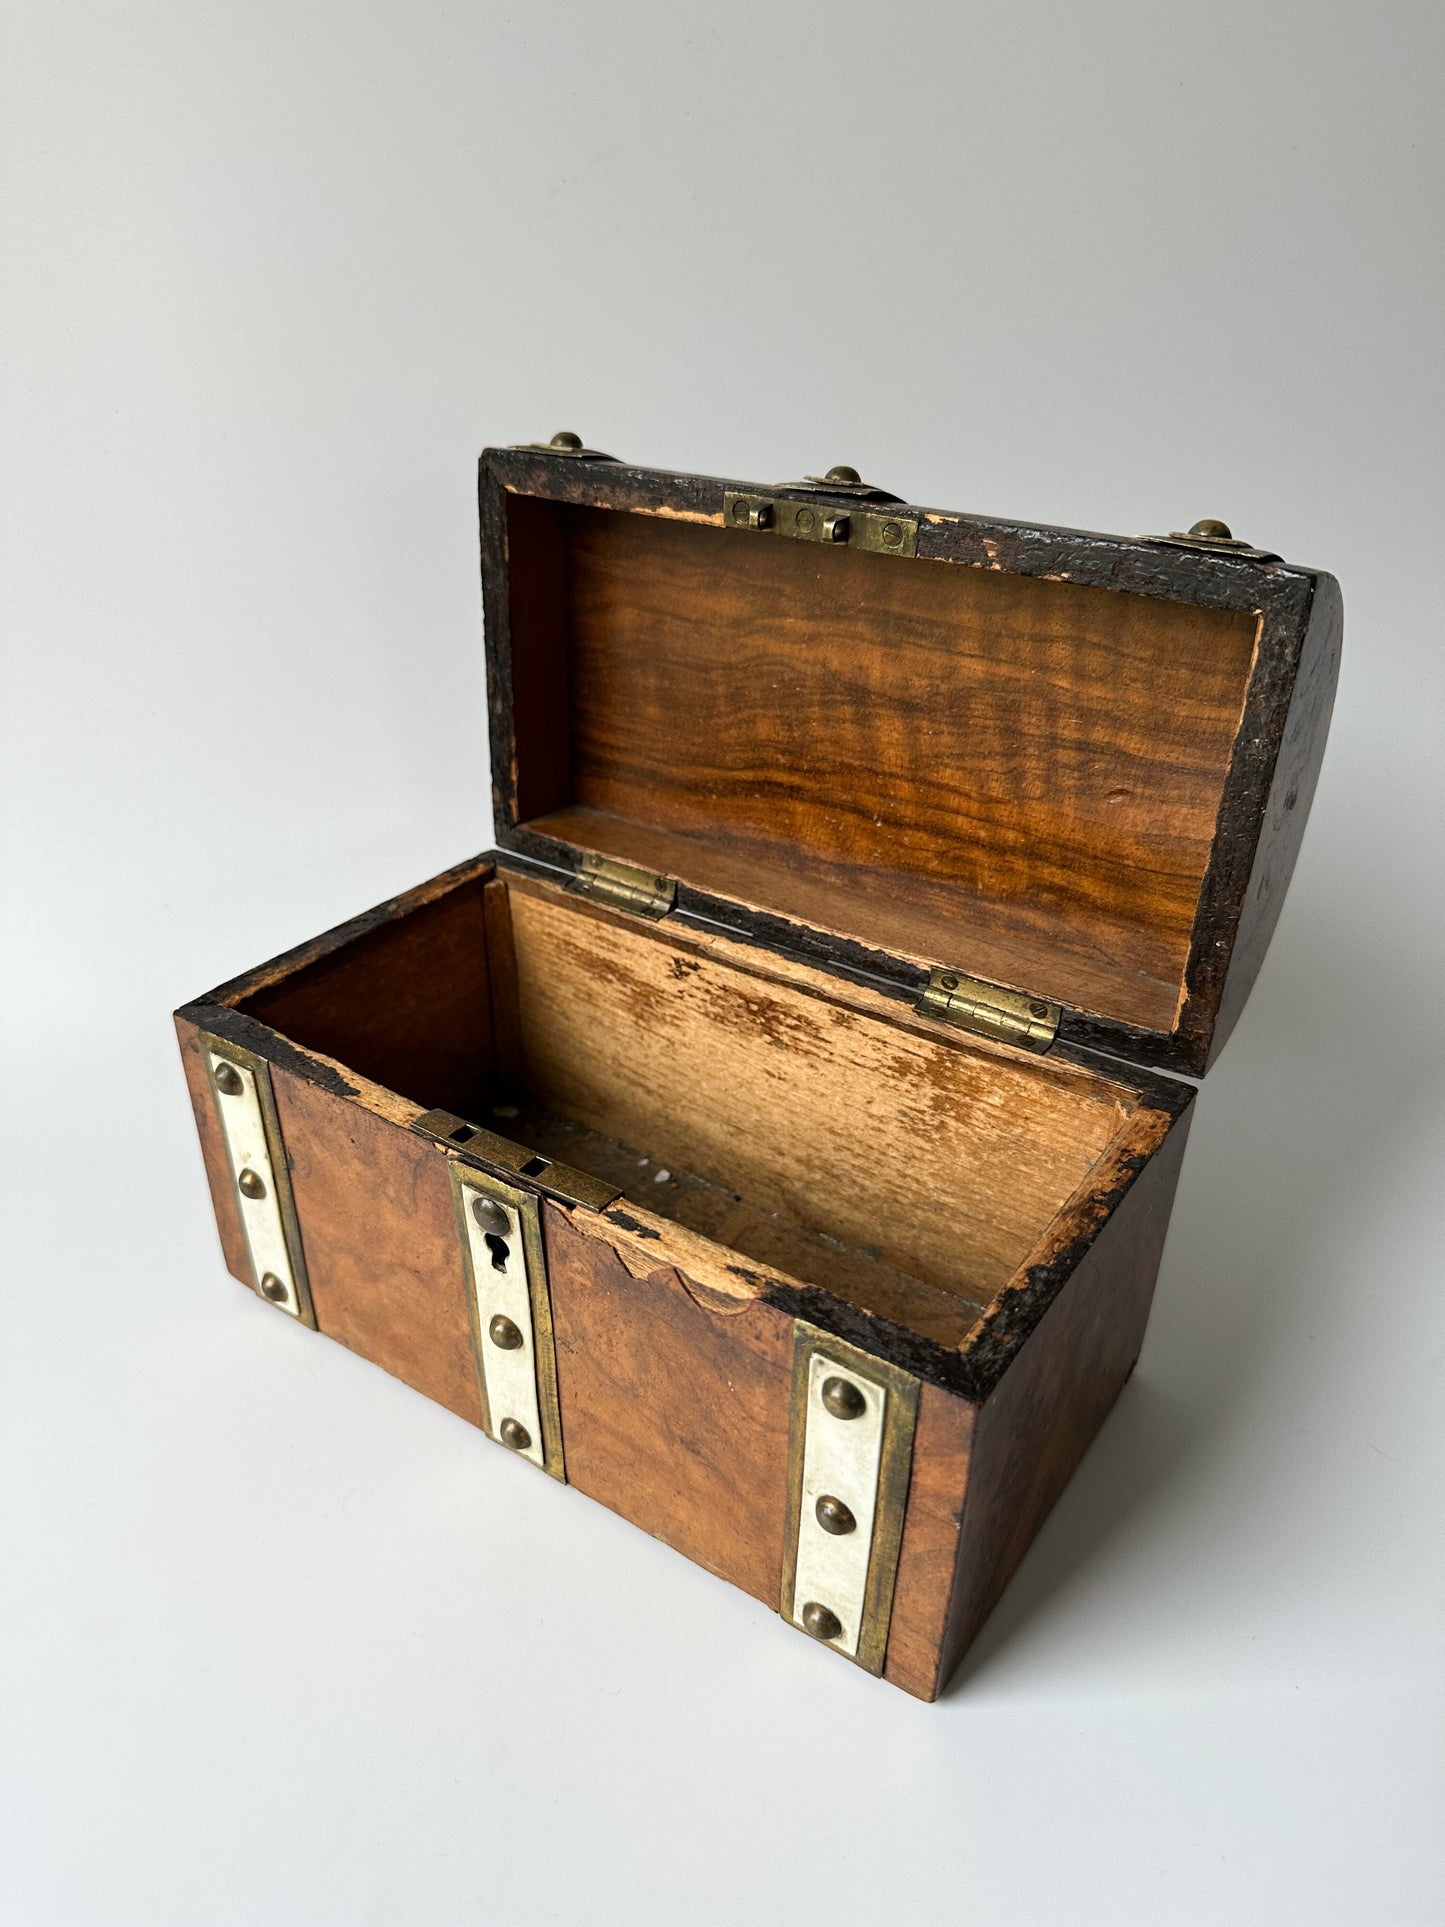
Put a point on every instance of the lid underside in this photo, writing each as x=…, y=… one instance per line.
x=1006, y=768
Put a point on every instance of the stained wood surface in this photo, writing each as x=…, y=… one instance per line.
x=1301, y=754
x=406, y=1003
x=906, y=751
x=374, y=1202
x=1046, y=703
x=928, y=1558
x=947, y=1162
x=674, y=1414
x=1060, y=1387
x=674, y=1333
x=502, y=990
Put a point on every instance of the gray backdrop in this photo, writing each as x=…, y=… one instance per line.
x=285, y=1644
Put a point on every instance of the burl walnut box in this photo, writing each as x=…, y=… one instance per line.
x=775, y=1136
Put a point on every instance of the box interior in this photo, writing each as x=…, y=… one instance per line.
x=1017, y=777
x=907, y=1172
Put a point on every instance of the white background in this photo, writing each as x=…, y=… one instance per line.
x=281, y=1642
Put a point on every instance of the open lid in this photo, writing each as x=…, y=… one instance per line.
x=916, y=747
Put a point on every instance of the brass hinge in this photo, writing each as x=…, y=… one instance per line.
x=989, y=1010
x=624, y=886
x=843, y=525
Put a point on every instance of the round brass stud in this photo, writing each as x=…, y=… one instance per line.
x=251, y=1184
x=1211, y=530
x=833, y=1516
x=840, y=472
x=229, y=1081
x=504, y=1334
x=564, y=438
x=517, y=1436
x=842, y=1398
x=274, y=1288
x=491, y=1216
x=821, y=1621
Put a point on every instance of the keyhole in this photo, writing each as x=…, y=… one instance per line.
x=500, y=1251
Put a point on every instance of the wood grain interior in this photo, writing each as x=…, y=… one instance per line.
x=909, y=1173
x=407, y=1004
x=1016, y=776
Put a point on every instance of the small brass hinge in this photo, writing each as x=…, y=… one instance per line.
x=843, y=525
x=625, y=887
x=990, y=1011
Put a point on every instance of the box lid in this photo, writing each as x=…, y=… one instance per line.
x=914, y=746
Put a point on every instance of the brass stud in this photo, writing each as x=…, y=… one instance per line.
x=1211, y=530
x=250, y=1184
x=821, y=1621
x=849, y=477
x=517, y=1436
x=833, y=1516
x=504, y=1334
x=491, y=1216
x=842, y=1398
x=564, y=438
x=274, y=1288
x=229, y=1081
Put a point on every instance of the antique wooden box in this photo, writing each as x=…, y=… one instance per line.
x=775, y=1137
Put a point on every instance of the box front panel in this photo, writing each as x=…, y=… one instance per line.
x=675, y=1406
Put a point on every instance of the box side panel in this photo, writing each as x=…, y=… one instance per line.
x=213, y=1151
x=1035, y=1427
x=675, y=1406
x=374, y=1203
x=1301, y=752
x=928, y=1559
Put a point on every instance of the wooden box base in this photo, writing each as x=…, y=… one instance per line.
x=786, y=1146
